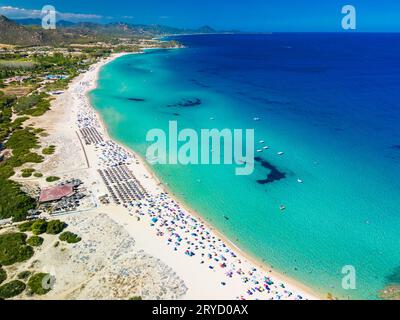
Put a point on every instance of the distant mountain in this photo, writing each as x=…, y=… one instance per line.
x=38, y=22
x=17, y=34
x=117, y=28
x=122, y=29
x=28, y=32
x=13, y=33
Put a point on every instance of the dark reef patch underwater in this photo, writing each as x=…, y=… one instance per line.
x=273, y=175
x=186, y=103
x=136, y=99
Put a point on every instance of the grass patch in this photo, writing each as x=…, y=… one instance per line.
x=55, y=227
x=20, y=204
x=26, y=226
x=12, y=289
x=35, y=241
x=26, y=173
x=40, y=283
x=27, y=102
x=39, y=227
x=52, y=179
x=49, y=150
x=69, y=237
x=13, y=248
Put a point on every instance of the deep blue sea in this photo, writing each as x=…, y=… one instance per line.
x=330, y=102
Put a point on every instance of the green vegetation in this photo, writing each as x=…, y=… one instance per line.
x=55, y=227
x=27, y=102
x=26, y=226
x=35, y=241
x=52, y=179
x=33, y=105
x=40, y=108
x=49, y=150
x=12, y=289
x=21, y=142
x=40, y=283
x=6, y=103
x=39, y=227
x=13, y=248
x=24, y=275
x=137, y=298
x=3, y=275
x=42, y=226
x=38, y=175
x=69, y=237
x=20, y=204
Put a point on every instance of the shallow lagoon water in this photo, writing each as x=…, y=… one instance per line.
x=328, y=101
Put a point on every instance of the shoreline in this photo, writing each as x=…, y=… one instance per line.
x=212, y=267
x=293, y=283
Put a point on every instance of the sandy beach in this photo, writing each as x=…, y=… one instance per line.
x=201, y=263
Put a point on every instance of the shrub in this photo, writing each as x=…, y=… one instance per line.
x=49, y=150
x=38, y=175
x=39, y=227
x=55, y=227
x=69, y=237
x=137, y=298
x=24, y=275
x=12, y=289
x=3, y=275
x=40, y=283
x=20, y=204
x=26, y=174
x=29, y=170
x=21, y=141
x=52, y=179
x=13, y=248
x=35, y=241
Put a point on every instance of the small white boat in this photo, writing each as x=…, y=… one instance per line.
x=282, y=207
x=266, y=147
x=212, y=118
x=280, y=153
x=262, y=141
x=299, y=181
x=259, y=151
x=256, y=119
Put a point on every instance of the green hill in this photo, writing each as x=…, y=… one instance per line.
x=13, y=33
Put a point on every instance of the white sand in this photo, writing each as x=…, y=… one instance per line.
x=202, y=282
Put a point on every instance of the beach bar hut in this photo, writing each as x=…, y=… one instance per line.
x=56, y=193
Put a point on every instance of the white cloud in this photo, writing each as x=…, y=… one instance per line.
x=22, y=13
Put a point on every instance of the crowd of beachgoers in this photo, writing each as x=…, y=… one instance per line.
x=187, y=235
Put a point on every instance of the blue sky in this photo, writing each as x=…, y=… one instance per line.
x=246, y=15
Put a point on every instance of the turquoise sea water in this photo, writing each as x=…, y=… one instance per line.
x=330, y=102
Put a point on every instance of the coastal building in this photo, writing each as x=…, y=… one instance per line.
x=56, y=193
x=18, y=79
